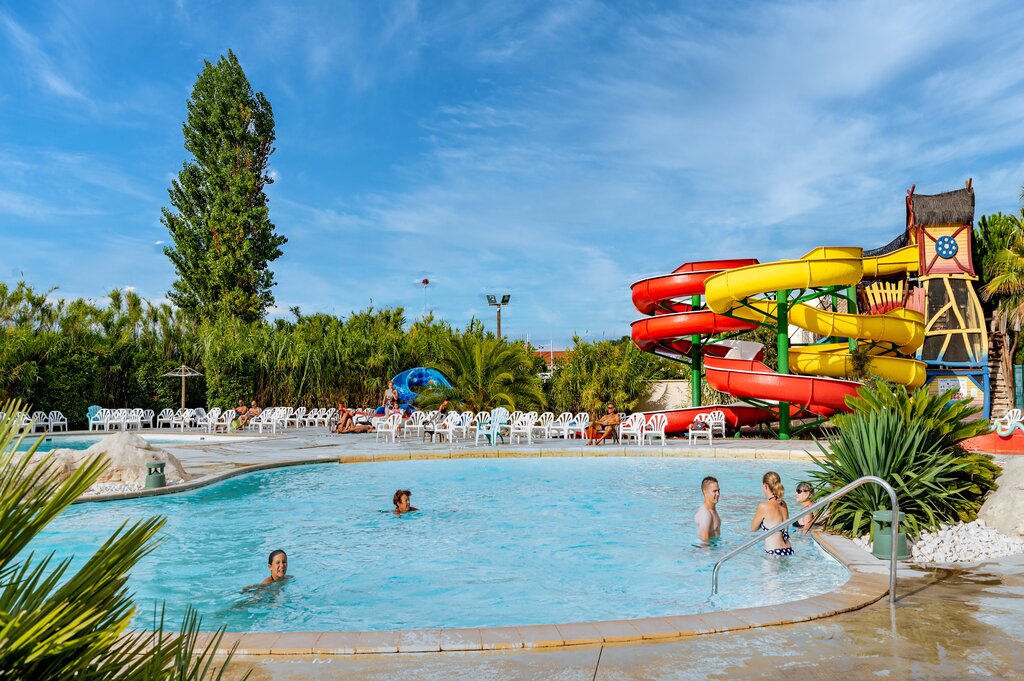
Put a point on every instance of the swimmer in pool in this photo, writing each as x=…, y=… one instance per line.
x=401, y=502
x=278, y=564
x=708, y=523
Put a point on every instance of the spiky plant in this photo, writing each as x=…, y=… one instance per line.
x=55, y=624
x=912, y=441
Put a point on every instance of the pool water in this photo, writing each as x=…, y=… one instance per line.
x=496, y=542
x=82, y=442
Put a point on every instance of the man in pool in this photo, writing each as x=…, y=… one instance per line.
x=401, y=502
x=708, y=523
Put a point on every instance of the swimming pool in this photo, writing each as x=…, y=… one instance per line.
x=497, y=542
x=82, y=442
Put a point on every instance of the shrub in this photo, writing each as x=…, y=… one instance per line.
x=912, y=441
x=55, y=624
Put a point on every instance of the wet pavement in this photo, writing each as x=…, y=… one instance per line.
x=946, y=624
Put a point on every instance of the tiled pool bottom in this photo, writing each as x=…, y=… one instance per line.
x=497, y=542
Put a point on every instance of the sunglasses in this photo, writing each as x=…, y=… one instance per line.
x=803, y=490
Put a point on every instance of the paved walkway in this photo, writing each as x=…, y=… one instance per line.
x=308, y=443
x=947, y=624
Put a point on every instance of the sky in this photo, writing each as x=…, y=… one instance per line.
x=554, y=151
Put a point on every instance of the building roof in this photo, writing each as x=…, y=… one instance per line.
x=949, y=208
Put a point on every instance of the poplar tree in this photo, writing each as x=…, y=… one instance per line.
x=223, y=238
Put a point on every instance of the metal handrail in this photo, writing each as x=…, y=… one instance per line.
x=814, y=507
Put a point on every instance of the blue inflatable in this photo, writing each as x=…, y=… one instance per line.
x=409, y=383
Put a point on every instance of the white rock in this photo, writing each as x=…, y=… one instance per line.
x=127, y=454
x=1004, y=508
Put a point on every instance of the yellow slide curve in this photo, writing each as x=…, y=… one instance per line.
x=734, y=292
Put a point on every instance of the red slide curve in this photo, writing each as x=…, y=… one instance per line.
x=673, y=323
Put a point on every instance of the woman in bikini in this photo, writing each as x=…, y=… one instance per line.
x=770, y=513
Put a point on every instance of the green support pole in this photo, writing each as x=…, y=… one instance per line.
x=695, y=361
x=851, y=308
x=782, y=337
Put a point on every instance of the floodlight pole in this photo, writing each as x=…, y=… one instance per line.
x=496, y=302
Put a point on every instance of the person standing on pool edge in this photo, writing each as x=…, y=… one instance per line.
x=709, y=525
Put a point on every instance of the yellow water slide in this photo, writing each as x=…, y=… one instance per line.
x=736, y=292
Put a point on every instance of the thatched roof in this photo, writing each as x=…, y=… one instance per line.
x=949, y=208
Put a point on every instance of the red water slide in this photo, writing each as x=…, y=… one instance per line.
x=673, y=323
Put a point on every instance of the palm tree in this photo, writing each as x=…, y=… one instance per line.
x=58, y=625
x=485, y=372
x=1000, y=243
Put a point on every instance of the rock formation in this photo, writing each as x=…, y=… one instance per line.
x=1004, y=508
x=128, y=455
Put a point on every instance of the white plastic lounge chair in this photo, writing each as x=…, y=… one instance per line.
x=655, y=427
x=57, y=421
x=633, y=427
x=184, y=419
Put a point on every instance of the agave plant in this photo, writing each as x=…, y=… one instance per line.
x=59, y=625
x=912, y=441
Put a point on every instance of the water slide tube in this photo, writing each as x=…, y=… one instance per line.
x=410, y=382
x=732, y=287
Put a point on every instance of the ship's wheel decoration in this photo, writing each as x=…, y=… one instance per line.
x=946, y=247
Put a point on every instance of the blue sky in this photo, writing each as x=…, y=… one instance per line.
x=556, y=151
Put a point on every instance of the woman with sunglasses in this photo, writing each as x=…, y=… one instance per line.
x=804, y=496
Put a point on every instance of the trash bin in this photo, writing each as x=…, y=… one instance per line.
x=881, y=532
x=155, y=474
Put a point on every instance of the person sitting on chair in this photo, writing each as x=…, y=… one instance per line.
x=606, y=426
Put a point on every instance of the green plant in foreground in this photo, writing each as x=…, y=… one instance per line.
x=59, y=625
x=912, y=442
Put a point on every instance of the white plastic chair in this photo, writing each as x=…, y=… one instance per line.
x=1011, y=417
x=580, y=423
x=295, y=418
x=522, y=427
x=209, y=419
x=694, y=433
x=166, y=417
x=41, y=421
x=57, y=421
x=184, y=419
x=655, y=427
x=717, y=421
x=98, y=421
x=633, y=427
x=388, y=427
x=561, y=425
x=542, y=428
x=223, y=421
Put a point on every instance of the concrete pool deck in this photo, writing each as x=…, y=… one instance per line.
x=947, y=623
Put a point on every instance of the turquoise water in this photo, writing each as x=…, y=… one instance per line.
x=497, y=542
x=82, y=442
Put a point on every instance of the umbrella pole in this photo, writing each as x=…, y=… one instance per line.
x=183, y=391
